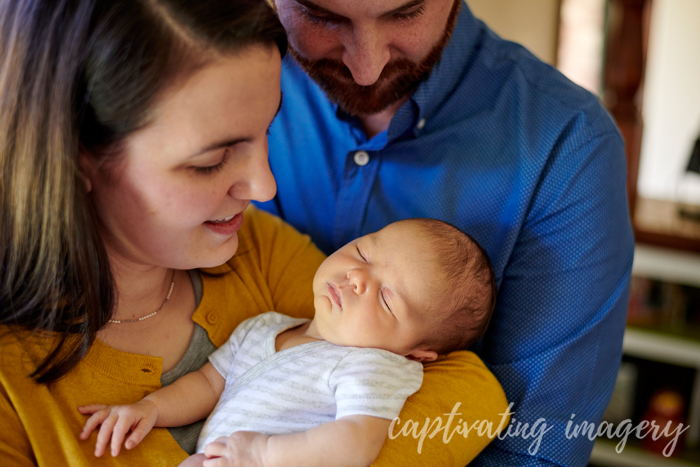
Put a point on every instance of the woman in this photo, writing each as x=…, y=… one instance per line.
x=133, y=137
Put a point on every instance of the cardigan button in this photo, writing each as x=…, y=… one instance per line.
x=212, y=318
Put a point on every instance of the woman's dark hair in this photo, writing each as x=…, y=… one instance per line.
x=81, y=75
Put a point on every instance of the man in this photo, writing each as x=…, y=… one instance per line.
x=414, y=108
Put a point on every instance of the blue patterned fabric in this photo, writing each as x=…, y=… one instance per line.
x=504, y=147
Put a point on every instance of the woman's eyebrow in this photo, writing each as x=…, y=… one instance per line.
x=220, y=144
x=230, y=141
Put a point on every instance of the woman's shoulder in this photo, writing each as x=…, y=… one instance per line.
x=21, y=349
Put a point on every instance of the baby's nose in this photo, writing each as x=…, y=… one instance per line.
x=357, y=280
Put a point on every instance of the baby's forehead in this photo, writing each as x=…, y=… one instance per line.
x=409, y=237
x=411, y=253
x=412, y=229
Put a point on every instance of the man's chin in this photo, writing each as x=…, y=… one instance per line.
x=364, y=102
x=338, y=84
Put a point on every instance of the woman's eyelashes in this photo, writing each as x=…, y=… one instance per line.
x=213, y=168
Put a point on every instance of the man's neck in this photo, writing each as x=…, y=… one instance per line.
x=379, y=122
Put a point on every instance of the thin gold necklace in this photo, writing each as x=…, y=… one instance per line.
x=172, y=285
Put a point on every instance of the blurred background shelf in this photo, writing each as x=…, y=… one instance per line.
x=659, y=222
x=674, y=343
x=666, y=264
x=662, y=347
x=604, y=455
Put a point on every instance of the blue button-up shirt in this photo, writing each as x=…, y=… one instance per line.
x=504, y=147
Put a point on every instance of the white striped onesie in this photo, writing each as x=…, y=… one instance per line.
x=304, y=386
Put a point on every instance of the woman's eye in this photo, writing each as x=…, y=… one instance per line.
x=213, y=168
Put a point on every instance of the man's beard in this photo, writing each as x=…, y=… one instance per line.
x=399, y=77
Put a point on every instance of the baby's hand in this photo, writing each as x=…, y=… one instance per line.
x=117, y=421
x=241, y=449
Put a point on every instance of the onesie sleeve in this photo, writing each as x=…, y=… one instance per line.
x=222, y=358
x=374, y=382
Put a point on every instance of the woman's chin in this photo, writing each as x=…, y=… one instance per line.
x=218, y=255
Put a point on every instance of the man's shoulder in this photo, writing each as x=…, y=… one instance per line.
x=535, y=86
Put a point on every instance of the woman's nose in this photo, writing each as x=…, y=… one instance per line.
x=254, y=180
x=366, y=53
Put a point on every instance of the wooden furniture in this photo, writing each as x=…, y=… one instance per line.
x=655, y=222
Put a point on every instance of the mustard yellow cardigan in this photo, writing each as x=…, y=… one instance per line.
x=272, y=270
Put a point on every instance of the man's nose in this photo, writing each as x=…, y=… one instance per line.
x=358, y=280
x=366, y=53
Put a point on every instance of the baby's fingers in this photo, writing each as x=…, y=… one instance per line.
x=105, y=434
x=90, y=409
x=96, y=419
x=139, y=432
x=121, y=428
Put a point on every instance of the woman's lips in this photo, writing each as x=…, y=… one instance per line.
x=227, y=226
x=334, y=294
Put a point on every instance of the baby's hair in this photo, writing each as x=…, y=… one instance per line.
x=470, y=280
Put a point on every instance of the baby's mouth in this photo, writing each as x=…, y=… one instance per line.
x=334, y=294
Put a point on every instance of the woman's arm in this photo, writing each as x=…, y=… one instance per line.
x=187, y=400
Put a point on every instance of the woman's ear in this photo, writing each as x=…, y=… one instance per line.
x=87, y=165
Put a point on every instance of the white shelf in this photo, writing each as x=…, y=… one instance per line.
x=604, y=454
x=666, y=265
x=661, y=348
x=673, y=350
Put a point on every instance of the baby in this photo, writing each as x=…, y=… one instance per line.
x=324, y=392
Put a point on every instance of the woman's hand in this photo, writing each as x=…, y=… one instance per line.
x=242, y=448
x=117, y=421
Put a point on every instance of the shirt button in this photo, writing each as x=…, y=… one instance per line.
x=212, y=318
x=421, y=124
x=361, y=158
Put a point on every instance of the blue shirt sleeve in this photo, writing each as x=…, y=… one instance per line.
x=556, y=338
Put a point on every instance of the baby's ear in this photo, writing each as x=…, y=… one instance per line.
x=422, y=355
